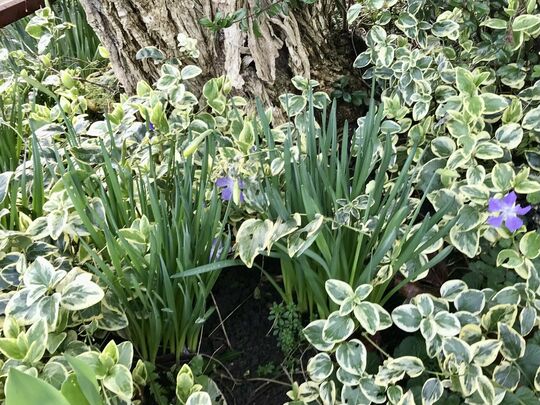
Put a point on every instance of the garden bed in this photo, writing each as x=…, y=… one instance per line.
x=243, y=299
x=186, y=245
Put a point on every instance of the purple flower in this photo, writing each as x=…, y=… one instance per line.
x=506, y=211
x=227, y=188
x=216, y=250
x=151, y=127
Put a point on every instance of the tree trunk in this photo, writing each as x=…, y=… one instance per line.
x=305, y=42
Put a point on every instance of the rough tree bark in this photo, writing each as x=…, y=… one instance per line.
x=306, y=42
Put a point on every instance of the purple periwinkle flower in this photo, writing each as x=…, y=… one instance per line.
x=216, y=250
x=505, y=210
x=227, y=188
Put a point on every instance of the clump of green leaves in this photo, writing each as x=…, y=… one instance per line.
x=334, y=208
x=287, y=326
x=474, y=338
x=459, y=79
x=344, y=91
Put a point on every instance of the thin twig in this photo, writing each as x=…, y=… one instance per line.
x=221, y=322
x=230, y=314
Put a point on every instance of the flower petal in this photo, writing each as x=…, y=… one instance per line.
x=495, y=221
x=224, y=182
x=226, y=194
x=522, y=210
x=513, y=223
x=509, y=199
x=495, y=204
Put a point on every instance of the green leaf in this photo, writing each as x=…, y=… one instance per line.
x=531, y=121
x=338, y=291
x=504, y=313
x=353, y=13
x=443, y=146
x=509, y=258
x=507, y=375
x=119, y=381
x=513, y=344
x=337, y=328
x=465, y=81
x=252, y=239
x=527, y=23
x=495, y=23
x=352, y=356
x=386, y=57
x=522, y=396
x=199, y=398
x=458, y=348
x=452, y=288
x=42, y=273
x=445, y=28
x=86, y=380
x=377, y=34
x=293, y=104
x=493, y=103
x=488, y=151
x=297, y=243
x=150, y=52
x=363, y=291
x=527, y=319
x=71, y=390
x=472, y=301
x=23, y=389
x=527, y=186
x=407, y=318
x=432, y=391
x=37, y=341
x=503, y=176
x=529, y=245
x=368, y=316
x=49, y=308
x=327, y=392
x=474, y=105
x=447, y=324
x=486, y=390
x=81, y=294
x=56, y=221
x=514, y=112
x=485, y=352
x=11, y=348
x=190, y=71
x=428, y=329
x=411, y=365
x=468, y=218
x=5, y=178
x=466, y=242
x=314, y=335
x=509, y=135
x=320, y=367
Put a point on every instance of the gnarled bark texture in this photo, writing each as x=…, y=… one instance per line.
x=300, y=43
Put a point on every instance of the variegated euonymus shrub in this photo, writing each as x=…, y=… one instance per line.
x=46, y=291
x=475, y=348
x=82, y=374
x=461, y=79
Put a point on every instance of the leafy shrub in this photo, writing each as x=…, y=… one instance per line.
x=459, y=78
x=475, y=345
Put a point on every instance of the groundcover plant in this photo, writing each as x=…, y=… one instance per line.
x=400, y=232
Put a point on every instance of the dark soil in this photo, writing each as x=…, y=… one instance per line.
x=244, y=300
